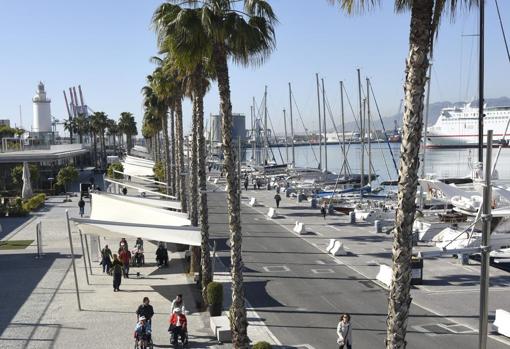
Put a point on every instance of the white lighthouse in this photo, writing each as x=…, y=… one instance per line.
x=42, y=111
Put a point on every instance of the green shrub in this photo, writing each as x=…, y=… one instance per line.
x=34, y=202
x=262, y=345
x=115, y=167
x=15, y=208
x=215, y=293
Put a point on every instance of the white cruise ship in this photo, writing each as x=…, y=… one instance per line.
x=458, y=127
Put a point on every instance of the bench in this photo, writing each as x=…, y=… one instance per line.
x=220, y=325
x=502, y=322
x=299, y=228
x=384, y=275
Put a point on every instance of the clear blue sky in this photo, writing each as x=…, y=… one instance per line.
x=105, y=46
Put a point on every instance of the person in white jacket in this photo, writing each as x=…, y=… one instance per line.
x=344, y=332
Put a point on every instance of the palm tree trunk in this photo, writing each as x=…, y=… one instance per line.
x=206, y=270
x=81, y=137
x=193, y=197
x=180, y=151
x=95, y=148
x=114, y=144
x=238, y=320
x=416, y=77
x=168, y=170
x=194, y=168
x=174, y=170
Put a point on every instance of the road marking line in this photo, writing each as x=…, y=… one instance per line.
x=276, y=268
x=320, y=262
x=323, y=271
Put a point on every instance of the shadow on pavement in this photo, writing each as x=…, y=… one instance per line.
x=21, y=273
x=9, y=224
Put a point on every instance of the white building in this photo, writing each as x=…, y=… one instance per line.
x=42, y=111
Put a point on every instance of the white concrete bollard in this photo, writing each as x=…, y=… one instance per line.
x=338, y=249
x=215, y=181
x=252, y=202
x=209, y=178
x=502, y=322
x=384, y=275
x=331, y=244
x=299, y=228
x=271, y=213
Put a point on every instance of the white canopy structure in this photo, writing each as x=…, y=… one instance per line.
x=156, y=203
x=137, y=166
x=117, y=216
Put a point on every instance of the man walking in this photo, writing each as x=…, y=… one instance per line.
x=81, y=205
x=277, y=198
x=106, y=259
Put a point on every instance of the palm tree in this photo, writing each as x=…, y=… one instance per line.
x=113, y=131
x=197, y=83
x=98, y=123
x=425, y=19
x=127, y=126
x=82, y=126
x=155, y=103
x=224, y=32
x=70, y=126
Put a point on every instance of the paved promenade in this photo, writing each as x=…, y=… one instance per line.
x=294, y=289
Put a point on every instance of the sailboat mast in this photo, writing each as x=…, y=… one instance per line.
x=362, y=135
x=265, y=127
x=481, y=82
x=291, y=126
x=369, y=134
x=320, y=123
x=325, y=132
x=343, y=127
x=286, y=138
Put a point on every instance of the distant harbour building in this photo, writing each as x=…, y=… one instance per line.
x=5, y=122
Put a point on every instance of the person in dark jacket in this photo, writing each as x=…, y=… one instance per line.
x=117, y=273
x=162, y=255
x=81, y=205
x=145, y=309
x=277, y=198
x=106, y=259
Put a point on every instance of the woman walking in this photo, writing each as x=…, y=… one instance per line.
x=344, y=332
x=117, y=273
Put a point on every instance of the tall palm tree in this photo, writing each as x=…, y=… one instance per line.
x=113, y=131
x=127, y=125
x=70, y=126
x=98, y=123
x=82, y=126
x=224, y=33
x=425, y=18
x=155, y=102
x=195, y=67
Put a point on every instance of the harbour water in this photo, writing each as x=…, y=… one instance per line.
x=441, y=162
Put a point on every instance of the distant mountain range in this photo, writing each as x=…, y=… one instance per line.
x=435, y=110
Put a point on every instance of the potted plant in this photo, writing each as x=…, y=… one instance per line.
x=262, y=345
x=215, y=298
